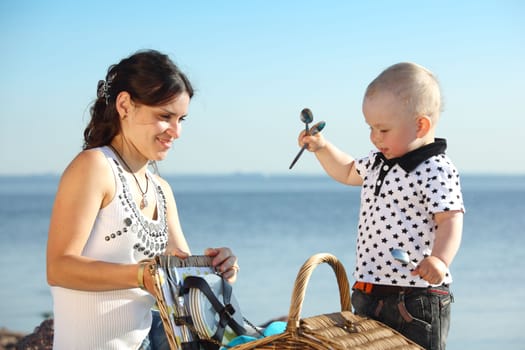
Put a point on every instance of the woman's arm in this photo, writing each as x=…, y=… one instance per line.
x=85, y=186
x=223, y=258
x=177, y=244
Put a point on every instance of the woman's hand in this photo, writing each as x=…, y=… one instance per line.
x=225, y=262
x=179, y=253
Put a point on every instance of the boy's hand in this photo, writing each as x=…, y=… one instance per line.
x=432, y=270
x=314, y=143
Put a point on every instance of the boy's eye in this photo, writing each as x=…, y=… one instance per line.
x=379, y=130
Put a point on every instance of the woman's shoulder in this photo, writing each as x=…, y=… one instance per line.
x=90, y=159
x=162, y=182
x=165, y=186
x=88, y=174
x=88, y=165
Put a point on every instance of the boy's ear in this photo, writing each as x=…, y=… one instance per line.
x=123, y=103
x=424, y=124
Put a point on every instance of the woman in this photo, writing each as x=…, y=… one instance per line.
x=111, y=212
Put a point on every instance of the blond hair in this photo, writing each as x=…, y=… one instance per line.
x=414, y=85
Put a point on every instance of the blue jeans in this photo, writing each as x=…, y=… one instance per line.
x=156, y=339
x=422, y=316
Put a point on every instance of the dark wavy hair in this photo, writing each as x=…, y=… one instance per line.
x=151, y=79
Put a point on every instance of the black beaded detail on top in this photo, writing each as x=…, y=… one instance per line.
x=151, y=236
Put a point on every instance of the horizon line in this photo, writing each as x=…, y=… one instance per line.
x=254, y=174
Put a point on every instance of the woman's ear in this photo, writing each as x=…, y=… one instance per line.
x=424, y=124
x=123, y=103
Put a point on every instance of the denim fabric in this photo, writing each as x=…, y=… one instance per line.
x=422, y=316
x=145, y=344
x=156, y=339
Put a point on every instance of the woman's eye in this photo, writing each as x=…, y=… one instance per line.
x=170, y=118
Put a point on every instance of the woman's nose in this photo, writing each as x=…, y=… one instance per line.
x=174, y=129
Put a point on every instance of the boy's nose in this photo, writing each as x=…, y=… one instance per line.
x=374, y=136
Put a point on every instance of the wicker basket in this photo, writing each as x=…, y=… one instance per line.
x=167, y=281
x=339, y=330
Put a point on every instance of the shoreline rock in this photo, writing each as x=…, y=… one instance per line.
x=9, y=339
x=40, y=339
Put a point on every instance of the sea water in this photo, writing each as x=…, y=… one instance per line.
x=273, y=224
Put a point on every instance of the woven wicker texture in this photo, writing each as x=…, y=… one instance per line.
x=168, y=262
x=339, y=330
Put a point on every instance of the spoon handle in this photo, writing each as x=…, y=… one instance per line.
x=297, y=156
x=313, y=131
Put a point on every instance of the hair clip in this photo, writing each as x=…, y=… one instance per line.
x=103, y=90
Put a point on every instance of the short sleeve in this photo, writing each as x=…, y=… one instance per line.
x=441, y=187
x=363, y=165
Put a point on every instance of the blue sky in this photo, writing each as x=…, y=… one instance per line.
x=255, y=65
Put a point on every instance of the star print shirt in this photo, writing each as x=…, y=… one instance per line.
x=399, y=198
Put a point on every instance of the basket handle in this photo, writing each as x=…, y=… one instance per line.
x=302, y=279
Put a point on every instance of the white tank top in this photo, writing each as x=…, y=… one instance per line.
x=118, y=319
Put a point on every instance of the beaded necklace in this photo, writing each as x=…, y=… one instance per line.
x=144, y=201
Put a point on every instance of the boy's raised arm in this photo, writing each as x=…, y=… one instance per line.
x=339, y=165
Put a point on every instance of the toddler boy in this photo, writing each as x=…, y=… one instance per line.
x=410, y=199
